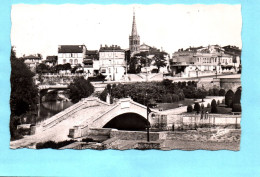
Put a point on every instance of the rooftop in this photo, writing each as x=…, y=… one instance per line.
x=110, y=48
x=31, y=57
x=71, y=48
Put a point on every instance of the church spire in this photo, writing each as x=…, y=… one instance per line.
x=134, y=29
x=134, y=38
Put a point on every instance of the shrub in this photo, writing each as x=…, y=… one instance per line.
x=214, y=109
x=197, y=107
x=189, y=108
x=223, y=101
x=222, y=92
x=208, y=105
x=53, y=145
x=202, y=106
x=236, y=107
x=218, y=102
x=215, y=92
x=210, y=93
x=237, y=97
x=87, y=140
x=213, y=103
x=229, y=98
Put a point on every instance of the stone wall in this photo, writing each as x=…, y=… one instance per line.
x=220, y=83
x=134, y=135
x=206, y=135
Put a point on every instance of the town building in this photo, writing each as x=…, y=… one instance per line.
x=73, y=54
x=199, y=61
x=91, y=62
x=32, y=61
x=112, y=62
x=51, y=60
x=134, y=39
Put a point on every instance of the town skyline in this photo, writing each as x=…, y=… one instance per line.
x=46, y=32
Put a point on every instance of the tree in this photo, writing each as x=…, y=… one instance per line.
x=201, y=93
x=159, y=60
x=133, y=65
x=80, y=88
x=42, y=68
x=229, y=98
x=197, y=107
x=24, y=93
x=222, y=92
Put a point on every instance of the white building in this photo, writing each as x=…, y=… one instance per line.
x=72, y=54
x=112, y=62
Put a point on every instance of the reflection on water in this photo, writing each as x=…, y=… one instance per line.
x=48, y=109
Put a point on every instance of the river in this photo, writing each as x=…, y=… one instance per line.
x=48, y=109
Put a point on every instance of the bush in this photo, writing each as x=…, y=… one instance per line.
x=216, y=92
x=87, y=140
x=213, y=103
x=210, y=93
x=197, y=107
x=237, y=97
x=53, y=145
x=202, y=106
x=218, y=102
x=236, y=107
x=189, y=108
x=222, y=92
x=208, y=105
x=214, y=109
x=229, y=98
x=223, y=101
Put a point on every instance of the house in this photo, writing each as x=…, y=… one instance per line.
x=112, y=62
x=32, y=61
x=199, y=61
x=73, y=54
x=51, y=60
x=91, y=62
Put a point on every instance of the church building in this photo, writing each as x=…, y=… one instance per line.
x=134, y=39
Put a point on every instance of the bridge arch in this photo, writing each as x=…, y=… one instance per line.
x=127, y=121
x=121, y=109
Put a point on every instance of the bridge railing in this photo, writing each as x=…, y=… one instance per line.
x=62, y=115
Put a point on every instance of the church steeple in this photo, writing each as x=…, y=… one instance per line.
x=134, y=38
x=134, y=30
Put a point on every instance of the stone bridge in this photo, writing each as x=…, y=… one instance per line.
x=220, y=83
x=76, y=120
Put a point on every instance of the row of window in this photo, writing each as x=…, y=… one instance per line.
x=111, y=54
x=134, y=42
x=110, y=62
x=109, y=70
x=213, y=60
x=70, y=55
x=71, y=61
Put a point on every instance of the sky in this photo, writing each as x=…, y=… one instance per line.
x=41, y=28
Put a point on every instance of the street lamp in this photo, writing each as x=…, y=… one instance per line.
x=147, y=116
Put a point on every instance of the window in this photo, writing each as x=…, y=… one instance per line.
x=64, y=61
x=71, y=61
x=109, y=70
x=76, y=61
x=103, y=70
